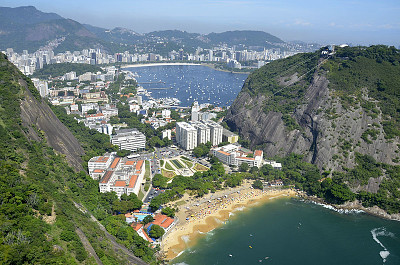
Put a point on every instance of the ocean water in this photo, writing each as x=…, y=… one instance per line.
x=191, y=83
x=289, y=231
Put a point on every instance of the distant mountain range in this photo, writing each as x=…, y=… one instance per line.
x=26, y=28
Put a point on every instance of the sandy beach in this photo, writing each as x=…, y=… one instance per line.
x=201, y=215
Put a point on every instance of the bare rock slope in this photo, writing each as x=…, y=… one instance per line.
x=328, y=134
x=42, y=123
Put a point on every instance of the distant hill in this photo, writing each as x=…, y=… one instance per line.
x=244, y=37
x=26, y=28
x=25, y=15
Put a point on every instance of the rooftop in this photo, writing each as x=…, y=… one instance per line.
x=107, y=177
x=120, y=183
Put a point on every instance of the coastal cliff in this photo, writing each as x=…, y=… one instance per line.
x=299, y=105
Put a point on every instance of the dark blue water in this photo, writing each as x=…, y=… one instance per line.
x=287, y=231
x=191, y=83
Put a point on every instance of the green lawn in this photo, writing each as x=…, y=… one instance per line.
x=147, y=172
x=168, y=166
x=189, y=164
x=177, y=164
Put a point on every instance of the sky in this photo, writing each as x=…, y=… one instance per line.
x=363, y=22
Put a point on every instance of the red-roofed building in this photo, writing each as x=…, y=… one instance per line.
x=115, y=163
x=231, y=155
x=163, y=221
x=99, y=163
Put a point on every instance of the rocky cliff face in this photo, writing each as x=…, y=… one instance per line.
x=42, y=122
x=328, y=134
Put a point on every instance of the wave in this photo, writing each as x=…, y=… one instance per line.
x=345, y=211
x=239, y=208
x=381, y=231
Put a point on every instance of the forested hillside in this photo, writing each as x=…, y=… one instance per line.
x=39, y=222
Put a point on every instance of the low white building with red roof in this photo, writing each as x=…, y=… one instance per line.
x=233, y=155
x=123, y=176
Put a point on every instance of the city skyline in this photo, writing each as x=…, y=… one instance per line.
x=356, y=22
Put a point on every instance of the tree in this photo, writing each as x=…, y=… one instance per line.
x=168, y=211
x=156, y=231
x=147, y=219
x=257, y=184
x=244, y=167
x=91, y=111
x=159, y=181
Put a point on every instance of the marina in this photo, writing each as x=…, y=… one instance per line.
x=189, y=83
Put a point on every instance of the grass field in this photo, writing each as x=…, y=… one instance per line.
x=199, y=167
x=141, y=195
x=189, y=164
x=147, y=172
x=177, y=164
x=168, y=166
x=167, y=173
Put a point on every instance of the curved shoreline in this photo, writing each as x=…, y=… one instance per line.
x=210, y=214
x=210, y=65
x=156, y=64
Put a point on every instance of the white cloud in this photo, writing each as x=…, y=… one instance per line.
x=301, y=22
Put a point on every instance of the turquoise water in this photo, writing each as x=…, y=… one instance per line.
x=191, y=83
x=289, y=231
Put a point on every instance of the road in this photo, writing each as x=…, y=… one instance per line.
x=165, y=153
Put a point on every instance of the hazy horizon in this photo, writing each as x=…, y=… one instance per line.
x=356, y=22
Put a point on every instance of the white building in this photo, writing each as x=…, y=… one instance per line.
x=129, y=139
x=123, y=177
x=186, y=135
x=109, y=112
x=203, y=132
x=89, y=106
x=166, y=113
x=232, y=155
x=99, y=163
x=166, y=134
x=195, y=111
x=41, y=86
x=215, y=132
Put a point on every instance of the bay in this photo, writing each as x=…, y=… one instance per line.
x=289, y=231
x=190, y=83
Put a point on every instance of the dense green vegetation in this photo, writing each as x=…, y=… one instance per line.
x=34, y=180
x=376, y=69
x=59, y=69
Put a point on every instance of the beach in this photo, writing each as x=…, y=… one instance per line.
x=197, y=216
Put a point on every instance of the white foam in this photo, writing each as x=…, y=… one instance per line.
x=231, y=214
x=381, y=231
x=186, y=239
x=239, y=208
x=345, y=211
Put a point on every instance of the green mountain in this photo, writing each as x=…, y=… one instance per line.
x=46, y=198
x=245, y=38
x=28, y=28
x=339, y=111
